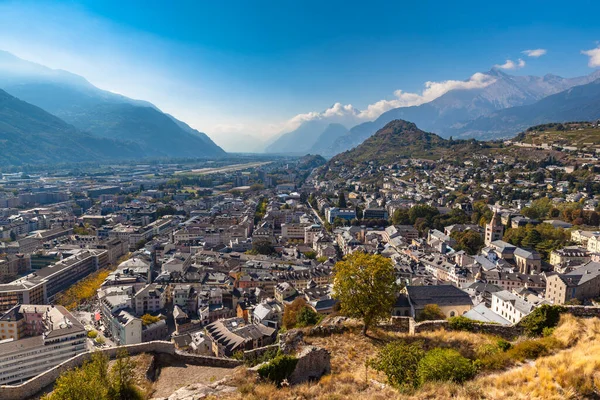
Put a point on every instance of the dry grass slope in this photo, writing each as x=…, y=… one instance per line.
x=572, y=373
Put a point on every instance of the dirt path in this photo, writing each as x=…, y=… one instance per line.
x=175, y=377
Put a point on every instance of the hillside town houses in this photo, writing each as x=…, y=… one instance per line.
x=212, y=262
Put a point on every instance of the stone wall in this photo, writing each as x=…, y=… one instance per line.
x=583, y=311
x=399, y=324
x=251, y=355
x=36, y=384
x=313, y=363
x=428, y=326
x=194, y=359
x=164, y=352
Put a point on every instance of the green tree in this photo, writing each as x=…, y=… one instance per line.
x=307, y=317
x=342, y=200
x=364, y=284
x=431, y=312
x=469, y=241
x=401, y=217
x=263, y=247
x=121, y=377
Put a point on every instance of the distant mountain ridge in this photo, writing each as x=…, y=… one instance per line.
x=579, y=103
x=458, y=107
x=102, y=113
x=29, y=134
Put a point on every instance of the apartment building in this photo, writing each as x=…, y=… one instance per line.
x=41, y=286
x=47, y=336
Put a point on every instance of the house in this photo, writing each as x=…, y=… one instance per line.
x=451, y=300
x=483, y=314
x=49, y=335
x=232, y=335
x=268, y=313
x=570, y=256
x=582, y=283
x=511, y=307
x=285, y=292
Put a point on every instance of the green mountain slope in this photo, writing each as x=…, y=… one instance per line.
x=29, y=134
x=401, y=139
x=105, y=114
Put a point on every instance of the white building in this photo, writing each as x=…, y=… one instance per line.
x=60, y=337
x=510, y=306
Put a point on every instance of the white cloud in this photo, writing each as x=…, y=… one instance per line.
x=535, y=52
x=594, y=55
x=510, y=64
x=350, y=115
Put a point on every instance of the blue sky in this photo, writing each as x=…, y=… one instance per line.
x=234, y=68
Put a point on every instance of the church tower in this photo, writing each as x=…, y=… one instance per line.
x=494, y=230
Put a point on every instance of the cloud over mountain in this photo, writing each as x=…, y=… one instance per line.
x=594, y=55
x=510, y=64
x=349, y=115
x=535, y=53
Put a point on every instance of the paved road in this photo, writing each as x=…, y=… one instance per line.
x=316, y=214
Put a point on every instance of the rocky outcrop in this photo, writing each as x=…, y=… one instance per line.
x=199, y=391
x=291, y=341
x=313, y=363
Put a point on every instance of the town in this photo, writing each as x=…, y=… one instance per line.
x=212, y=261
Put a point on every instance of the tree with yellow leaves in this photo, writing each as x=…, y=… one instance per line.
x=365, y=286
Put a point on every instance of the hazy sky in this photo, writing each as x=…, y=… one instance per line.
x=233, y=68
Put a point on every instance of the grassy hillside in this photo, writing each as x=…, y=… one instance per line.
x=570, y=371
x=578, y=134
x=401, y=140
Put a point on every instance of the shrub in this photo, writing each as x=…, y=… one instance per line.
x=445, y=365
x=492, y=356
x=503, y=344
x=547, y=331
x=493, y=362
x=545, y=316
x=431, y=312
x=528, y=350
x=399, y=361
x=307, y=317
x=148, y=319
x=278, y=369
x=461, y=323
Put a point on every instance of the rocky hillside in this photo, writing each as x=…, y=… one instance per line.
x=400, y=140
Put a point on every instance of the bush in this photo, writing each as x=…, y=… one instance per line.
x=493, y=357
x=399, y=361
x=446, y=365
x=545, y=316
x=307, y=317
x=528, y=350
x=547, y=331
x=278, y=369
x=148, y=319
x=503, y=345
x=431, y=312
x=461, y=323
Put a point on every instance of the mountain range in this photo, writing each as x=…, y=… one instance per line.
x=482, y=112
x=29, y=134
x=94, y=114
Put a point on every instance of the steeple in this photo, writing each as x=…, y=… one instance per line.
x=494, y=230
